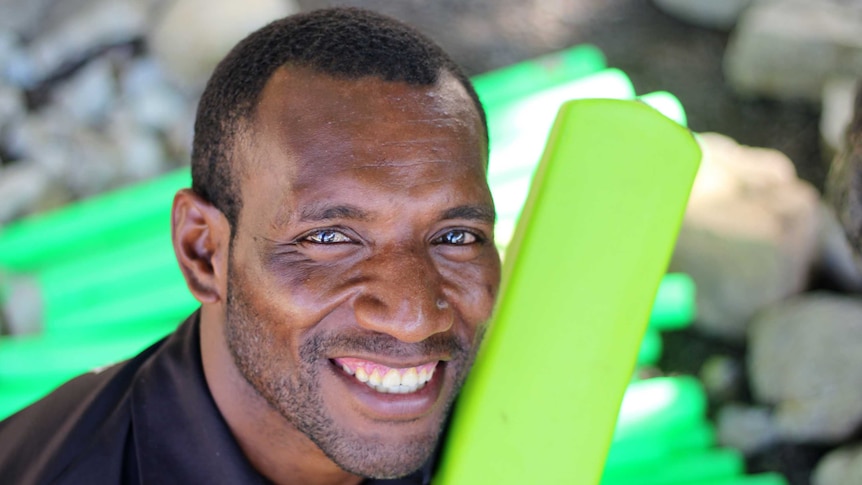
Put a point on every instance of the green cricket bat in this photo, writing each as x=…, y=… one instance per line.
x=591, y=246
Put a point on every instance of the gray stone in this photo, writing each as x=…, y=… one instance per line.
x=749, y=429
x=804, y=358
x=140, y=149
x=749, y=234
x=23, y=16
x=93, y=163
x=194, y=35
x=42, y=138
x=153, y=102
x=789, y=48
x=842, y=466
x=87, y=161
x=96, y=24
x=837, y=262
x=11, y=104
x=88, y=95
x=23, y=184
x=721, y=14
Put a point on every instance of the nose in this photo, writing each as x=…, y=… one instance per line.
x=403, y=296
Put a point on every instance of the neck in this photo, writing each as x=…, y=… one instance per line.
x=276, y=449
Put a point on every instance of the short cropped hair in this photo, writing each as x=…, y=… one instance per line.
x=347, y=43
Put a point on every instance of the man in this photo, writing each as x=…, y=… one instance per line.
x=339, y=236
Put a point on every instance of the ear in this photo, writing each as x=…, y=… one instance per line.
x=201, y=238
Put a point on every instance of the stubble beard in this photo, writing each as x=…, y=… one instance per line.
x=297, y=396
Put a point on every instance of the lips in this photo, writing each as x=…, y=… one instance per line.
x=388, y=380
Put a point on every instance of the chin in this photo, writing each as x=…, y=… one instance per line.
x=382, y=457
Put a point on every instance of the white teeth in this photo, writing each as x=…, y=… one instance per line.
x=410, y=378
x=361, y=375
x=374, y=378
x=393, y=381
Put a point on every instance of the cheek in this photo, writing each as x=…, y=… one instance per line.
x=474, y=289
x=303, y=293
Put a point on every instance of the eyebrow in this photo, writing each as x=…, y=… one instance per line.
x=481, y=213
x=317, y=213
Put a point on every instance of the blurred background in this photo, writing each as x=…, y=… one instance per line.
x=100, y=94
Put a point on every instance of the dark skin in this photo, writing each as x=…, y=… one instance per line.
x=365, y=240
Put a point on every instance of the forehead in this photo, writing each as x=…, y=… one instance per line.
x=314, y=131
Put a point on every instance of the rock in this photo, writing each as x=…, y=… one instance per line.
x=750, y=429
x=153, y=102
x=22, y=16
x=749, y=234
x=88, y=95
x=788, y=49
x=85, y=160
x=712, y=14
x=837, y=111
x=837, y=262
x=194, y=35
x=26, y=188
x=140, y=150
x=11, y=104
x=803, y=357
x=841, y=466
x=98, y=24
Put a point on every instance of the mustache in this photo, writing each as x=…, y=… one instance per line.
x=361, y=342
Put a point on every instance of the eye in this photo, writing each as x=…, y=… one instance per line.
x=327, y=236
x=458, y=237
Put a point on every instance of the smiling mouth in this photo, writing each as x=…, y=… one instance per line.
x=388, y=380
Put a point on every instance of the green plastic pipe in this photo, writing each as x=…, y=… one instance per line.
x=91, y=225
x=31, y=367
x=641, y=451
x=653, y=405
x=102, y=278
x=24, y=359
x=590, y=249
x=650, y=348
x=518, y=130
x=668, y=104
x=675, y=303
x=685, y=468
x=518, y=80
x=171, y=302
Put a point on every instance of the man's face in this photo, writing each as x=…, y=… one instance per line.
x=363, y=267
